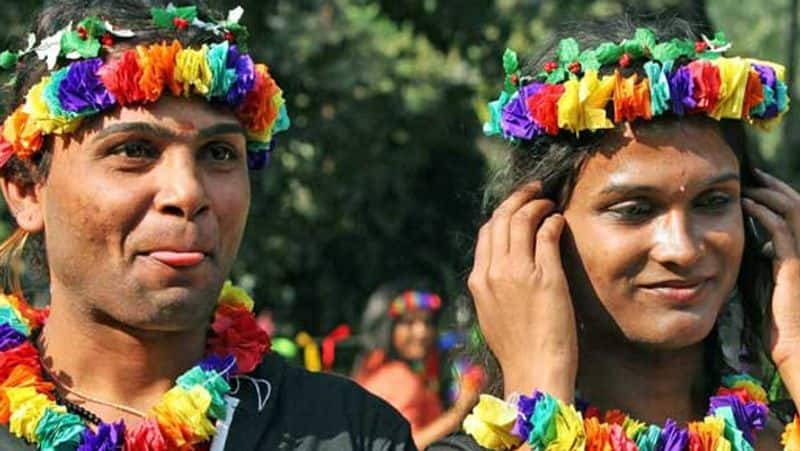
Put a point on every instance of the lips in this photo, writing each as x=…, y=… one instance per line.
x=178, y=259
x=681, y=291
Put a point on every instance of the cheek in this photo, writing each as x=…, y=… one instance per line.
x=231, y=200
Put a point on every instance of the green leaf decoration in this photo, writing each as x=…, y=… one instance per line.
x=87, y=48
x=240, y=34
x=568, y=51
x=633, y=48
x=646, y=37
x=589, y=61
x=510, y=61
x=608, y=53
x=8, y=60
x=719, y=39
x=164, y=17
x=672, y=50
x=95, y=28
x=557, y=76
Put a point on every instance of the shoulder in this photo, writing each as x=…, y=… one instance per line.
x=456, y=442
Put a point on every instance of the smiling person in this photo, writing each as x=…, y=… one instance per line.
x=622, y=284
x=126, y=157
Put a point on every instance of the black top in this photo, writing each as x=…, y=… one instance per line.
x=456, y=442
x=305, y=411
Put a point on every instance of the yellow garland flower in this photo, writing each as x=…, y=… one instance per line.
x=192, y=70
x=583, y=104
x=570, y=435
x=490, y=423
x=180, y=412
x=633, y=427
x=27, y=409
x=733, y=73
x=36, y=107
x=235, y=296
x=790, y=439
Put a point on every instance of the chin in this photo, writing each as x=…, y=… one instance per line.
x=171, y=310
x=672, y=331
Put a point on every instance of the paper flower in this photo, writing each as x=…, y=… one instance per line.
x=749, y=417
x=10, y=337
x=213, y=382
x=790, y=438
x=749, y=383
x=659, y=86
x=753, y=94
x=27, y=408
x=146, y=437
x=583, y=104
x=109, y=437
x=181, y=415
x=24, y=354
x=493, y=125
x=526, y=406
x=235, y=296
x=158, y=69
x=39, y=112
x=681, y=91
x=631, y=98
x=707, y=83
x=223, y=76
x=261, y=105
x=22, y=134
x=59, y=431
x=236, y=332
x=674, y=438
x=22, y=376
x=192, y=71
x=224, y=366
x=569, y=429
x=82, y=92
x=245, y=76
x=543, y=421
x=122, y=78
x=621, y=442
x=490, y=421
x=9, y=316
x=543, y=107
x=598, y=435
x=648, y=438
x=733, y=73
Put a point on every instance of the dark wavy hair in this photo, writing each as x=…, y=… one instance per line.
x=556, y=162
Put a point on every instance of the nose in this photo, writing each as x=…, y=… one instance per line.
x=675, y=240
x=181, y=185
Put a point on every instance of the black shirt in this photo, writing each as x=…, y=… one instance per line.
x=304, y=411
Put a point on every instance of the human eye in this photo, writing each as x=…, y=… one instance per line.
x=220, y=152
x=137, y=150
x=632, y=210
x=714, y=201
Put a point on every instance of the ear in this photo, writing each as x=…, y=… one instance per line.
x=24, y=200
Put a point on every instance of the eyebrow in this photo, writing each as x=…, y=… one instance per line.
x=621, y=188
x=162, y=132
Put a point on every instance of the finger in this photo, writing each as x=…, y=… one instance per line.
x=782, y=239
x=524, y=224
x=778, y=185
x=773, y=199
x=548, y=249
x=501, y=218
x=480, y=264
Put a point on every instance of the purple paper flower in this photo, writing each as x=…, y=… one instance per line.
x=525, y=405
x=10, y=337
x=673, y=438
x=225, y=366
x=681, y=88
x=768, y=79
x=516, y=120
x=245, y=76
x=109, y=437
x=749, y=417
x=82, y=92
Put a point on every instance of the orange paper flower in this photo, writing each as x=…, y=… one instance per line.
x=631, y=99
x=258, y=112
x=21, y=376
x=22, y=134
x=753, y=93
x=158, y=70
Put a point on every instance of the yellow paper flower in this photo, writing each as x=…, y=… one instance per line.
x=181, y=412
x=27, y=408
x=36, y=107
x=191, y=69
x=733, y=73
x=583, y=104
x=633, y=428
x=570, y=435
x=790, y=439
x=490, y=423
x=235, y=296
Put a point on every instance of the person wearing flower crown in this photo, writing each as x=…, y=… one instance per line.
x=126, y=160
x=401, y=362
x=638, y=275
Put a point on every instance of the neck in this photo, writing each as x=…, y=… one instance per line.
x=649, y=385
x=106, y=360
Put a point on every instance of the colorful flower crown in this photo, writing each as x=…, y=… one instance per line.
x=219, y=72
x=682, y=77
x=410, y=301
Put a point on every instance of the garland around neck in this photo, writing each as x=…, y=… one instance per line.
x=182, y=420
x=735, y=413
x=221, y=73
x=680, y=77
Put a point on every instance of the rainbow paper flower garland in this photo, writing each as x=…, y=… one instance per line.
x=735, y=413
x=414, y=300
x=219, y=72
x=682, y=78
x=183, y=419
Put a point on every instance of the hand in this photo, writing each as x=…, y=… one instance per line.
x=777, y=207
x=522, y=297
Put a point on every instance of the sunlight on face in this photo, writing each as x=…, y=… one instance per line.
x=656, y=233
x=144, y=212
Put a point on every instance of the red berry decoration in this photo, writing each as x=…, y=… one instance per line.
x=514, y=79
x=180, y=23
x=700, y=46
x=625, y=60
x=230, y=37
x=107, y=40
x=575, y=67
x=550, y=66
x=82, y=32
